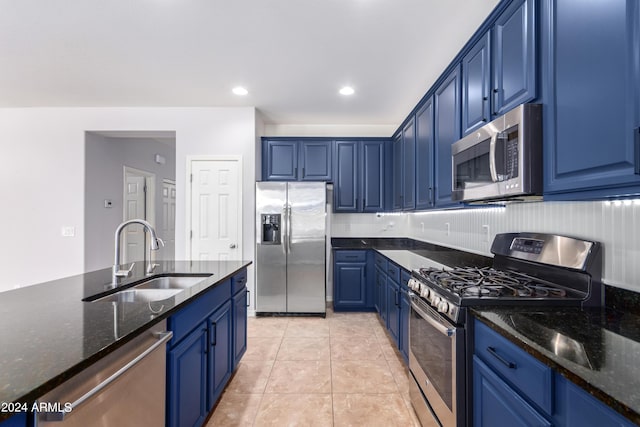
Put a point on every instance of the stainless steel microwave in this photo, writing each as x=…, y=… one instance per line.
x=502, y=160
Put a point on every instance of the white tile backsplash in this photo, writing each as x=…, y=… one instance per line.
x=614, y=224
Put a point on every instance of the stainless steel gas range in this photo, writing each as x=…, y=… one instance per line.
x=528, y=269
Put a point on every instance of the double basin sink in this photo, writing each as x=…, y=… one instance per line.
x=153, y=289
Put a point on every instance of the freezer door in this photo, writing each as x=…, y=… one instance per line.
x=271, y=259
x=306, y=246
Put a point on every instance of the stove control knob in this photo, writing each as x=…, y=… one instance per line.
x=424, y=292
x=413, y=284
x=435, y=300
x=443, y=306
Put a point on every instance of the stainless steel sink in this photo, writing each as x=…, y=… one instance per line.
x=140, y=295
x=153, y=289
x=170, y=282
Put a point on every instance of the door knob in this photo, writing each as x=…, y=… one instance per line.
x=232, y=246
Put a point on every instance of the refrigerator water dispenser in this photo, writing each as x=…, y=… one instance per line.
x=270, y=229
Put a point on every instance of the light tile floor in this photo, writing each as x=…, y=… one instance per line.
x=300, y=371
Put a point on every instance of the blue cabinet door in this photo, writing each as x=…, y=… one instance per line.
x=372, y=176
x=577, y=408
x=220, y=353
x=350, y=287
x=447, y=131
x=240, y=305
x=424, y=156
x=514, y=56
x=476, y=82
x=405, y=312
x=409, y=166
x=497, y=404
x=592, y=135
x=381, y=289
x=315, y=160
x=393, y=310
x=397, y=174
x=280, y=160
x=345, y=191
x=17, y=420
x=187, y=380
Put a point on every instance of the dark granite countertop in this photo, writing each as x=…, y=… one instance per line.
x=48, y=333
x=440, y=254
x=597, y=349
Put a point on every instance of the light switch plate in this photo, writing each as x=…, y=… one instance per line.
x=68, y=231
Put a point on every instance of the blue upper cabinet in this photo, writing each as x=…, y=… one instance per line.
x=345, y=190
x=280, y=160
x=372, y=176
x=592, y=136
x=424, y=156
x=476, y=82
x=397, y=174
x=446, y=132
x=288, y=159
x=514, y=56
x=409, y=166
x=359, y=176
x=315, y=160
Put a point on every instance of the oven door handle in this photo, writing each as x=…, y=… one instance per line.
x=443, y=329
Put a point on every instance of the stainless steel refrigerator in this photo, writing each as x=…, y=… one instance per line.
x=290, y=248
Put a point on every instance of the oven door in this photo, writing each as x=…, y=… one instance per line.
x=436, y=360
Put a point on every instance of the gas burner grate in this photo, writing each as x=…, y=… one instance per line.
x=492, y=283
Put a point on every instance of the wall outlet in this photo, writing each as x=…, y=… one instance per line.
x=108, y=203
x=447, y=227
x=486, y=231
x=68, y=231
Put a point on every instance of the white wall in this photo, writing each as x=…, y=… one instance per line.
x=42, y=177
x=378, y=131
x=615, y=224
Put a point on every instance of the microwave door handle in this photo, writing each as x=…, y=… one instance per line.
x=492, y=157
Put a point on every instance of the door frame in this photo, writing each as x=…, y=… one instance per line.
x=150, y=199
x=188, y=225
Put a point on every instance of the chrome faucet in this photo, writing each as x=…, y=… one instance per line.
x=155, y=245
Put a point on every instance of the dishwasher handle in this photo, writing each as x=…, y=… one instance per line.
x=163, y=337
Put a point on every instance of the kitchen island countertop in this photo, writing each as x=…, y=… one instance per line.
x=48, y=333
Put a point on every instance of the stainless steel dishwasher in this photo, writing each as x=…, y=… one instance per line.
x=125, y=388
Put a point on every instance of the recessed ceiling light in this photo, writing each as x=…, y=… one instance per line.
x=347, y=90
x=240, y=91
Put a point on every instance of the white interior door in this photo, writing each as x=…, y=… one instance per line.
x=216, y=209
x=134, y=207
x=168, y=230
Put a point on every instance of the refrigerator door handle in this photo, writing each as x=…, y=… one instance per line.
x=289, y=229
x=285, y=229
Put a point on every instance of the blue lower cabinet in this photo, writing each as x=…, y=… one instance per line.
x=393, y=310
x=187, y=380
x=497, y=404
x=240, y=305
x=350, y=281
x=577, y=408
x=381, y=290
x=210, y=337
x=220, y=355
x=18, y=420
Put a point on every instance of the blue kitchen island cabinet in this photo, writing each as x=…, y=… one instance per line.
x=447, y=131
x=209, y=338
x=350, y=281
x=18, y=420
x=592, y=127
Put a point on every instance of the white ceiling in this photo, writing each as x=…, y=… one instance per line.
x=292, y=55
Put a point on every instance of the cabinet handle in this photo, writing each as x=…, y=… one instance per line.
x=364, y=203
x=637, y=147
x=248, y=298
x=504, y=361
x=295, y=172
x=303, y=172
x=215, y=334
x=396, y=297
